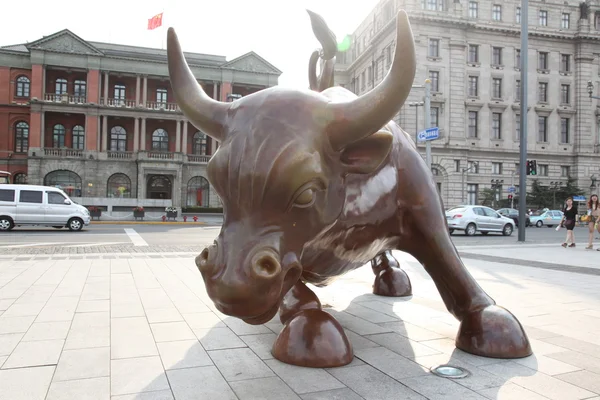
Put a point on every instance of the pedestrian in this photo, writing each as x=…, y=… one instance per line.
x=568, y=221
x=593, y=218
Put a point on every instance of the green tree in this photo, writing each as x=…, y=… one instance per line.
x=569, y=190
x=487, y=197
x=540, y=196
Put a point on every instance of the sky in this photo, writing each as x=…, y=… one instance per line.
x=277, y=30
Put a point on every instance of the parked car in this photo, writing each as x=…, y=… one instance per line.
x=514, y=215
x=473, y=219
x=39, y=205
x=548, y=218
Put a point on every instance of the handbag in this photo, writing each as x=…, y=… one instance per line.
x=585, y=218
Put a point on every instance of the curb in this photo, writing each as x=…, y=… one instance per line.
x=146, y=223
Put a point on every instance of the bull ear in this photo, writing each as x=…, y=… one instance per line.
x=366, y=155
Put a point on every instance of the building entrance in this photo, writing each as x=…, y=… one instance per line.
x=159, y=187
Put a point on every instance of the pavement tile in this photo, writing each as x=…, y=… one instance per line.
x=80, y=389
x=575, y=344
x=204, y=320
x=304, y=380
x=25, y=383
x=93, y=306
x=199, y=383
x=373, y=384
x=510, y=391
x=584, y=379
x=263, y=389
x=31, y=354
x=154, y=298
x=56, y=314
x=391, y=363
x=577, y=359
x=239, y=364
x=124, y=310
x=368, y=314
x=402, y=345
x=239, y=327
x=131, y=337
x=158, y=395
x=6, y=303
x=135, y=375
x=23, y=309
x=359, y=342
x=8, y=342
x=15, y=324
x=2, y=359
x=411, y=331
x=183, y=354
x=547, y=365
x=171, y=331
x=87, y=337
x=156, y=315
x=336, y=394
x=355, y=324
x=437, y=388
x=47, y=331
x=83, y=363
x=261, y=344
x=218, y=338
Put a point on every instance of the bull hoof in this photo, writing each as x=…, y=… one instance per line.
x=313, y=338
x=392, y=282
x=493, y=332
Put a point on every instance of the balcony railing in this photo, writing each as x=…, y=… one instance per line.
x=64, y=98
x=156, y=105
x=63, y=153
x=198, y=159
x=125, y=103
x=119, y=155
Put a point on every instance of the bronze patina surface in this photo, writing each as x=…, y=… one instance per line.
x=316, y=183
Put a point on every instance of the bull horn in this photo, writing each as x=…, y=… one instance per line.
x=204, y=113
x=356, y=119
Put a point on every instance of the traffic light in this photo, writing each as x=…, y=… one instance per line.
x=510, y=196
x=531, y=167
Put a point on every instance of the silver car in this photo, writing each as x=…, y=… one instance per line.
x=473, y=219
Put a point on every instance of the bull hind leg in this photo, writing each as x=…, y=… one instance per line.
x=310, y=336
x=390, y=279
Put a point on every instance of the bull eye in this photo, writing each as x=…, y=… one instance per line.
x=305, y=199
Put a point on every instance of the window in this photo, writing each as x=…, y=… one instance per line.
x=518, y=58
x=21, y=137
x=160, y=140
x=119, y=186
x=31, y=196
x=198, y=192
x=518, y=127
x=542, y=60
x=434, y=47
x=118, y=139
x=161, y=96
x=543, y=18
x=497, y=88
x=472, y=167
x=472, y=192
x=56, y=198
x=60, y=86
x=78, y=137
x=58, y=136
x=497, y=168
x=363, y=80
x=496, y=126
x=497, y=12
x=65, y=180
x=473, y=9
x=518, y=15
x=435, y=113
x=370, y=75
x=20, y=179
x=23, y=85
x=542, y=92
x=7, y=195
x=199, y=144
x=496, y=55
x=388, y=56
x=434, y=76
x=473, y=86
x=518, y=90
x=565, y=94
x=79, y=89
x=542, y=129
x=565, y=124
x=565, y=171
x=473, y=53
x=542, y=170
x=565, y=63
x=473, y=120
x=119, y=91
x=457, y=165
x=565, y=21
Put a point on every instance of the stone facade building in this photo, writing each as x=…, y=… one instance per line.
x=100, y=120
x=470, y=50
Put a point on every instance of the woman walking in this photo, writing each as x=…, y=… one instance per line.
x=570, y=213
x=593, y=214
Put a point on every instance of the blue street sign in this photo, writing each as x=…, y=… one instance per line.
x=429, y=134
x=511, y=189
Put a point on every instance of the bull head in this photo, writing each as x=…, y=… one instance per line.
x=280, y=172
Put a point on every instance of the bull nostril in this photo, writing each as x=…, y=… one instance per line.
x=266, y=265
x=203, y=259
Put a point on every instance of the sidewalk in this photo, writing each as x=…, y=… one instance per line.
x=141, y=327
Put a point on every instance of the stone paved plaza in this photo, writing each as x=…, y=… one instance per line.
x=128, y=325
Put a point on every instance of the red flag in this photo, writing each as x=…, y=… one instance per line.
x=155, y=21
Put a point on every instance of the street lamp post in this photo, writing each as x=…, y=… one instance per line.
x=465, y=170
x=512, y=185
x=523, y=134
x=554, y=186
x=416, y=105
x=496, y=184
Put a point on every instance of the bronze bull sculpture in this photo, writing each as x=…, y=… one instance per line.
x=314, y=185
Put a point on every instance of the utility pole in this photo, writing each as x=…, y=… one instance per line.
x=523, y=138
x=512, y=185
x=428, y=120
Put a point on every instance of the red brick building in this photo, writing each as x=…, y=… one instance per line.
x=100, y=120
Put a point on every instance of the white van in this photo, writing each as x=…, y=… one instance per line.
x=39, y=205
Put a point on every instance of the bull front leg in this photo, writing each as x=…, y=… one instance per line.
x=310, y=336
x=485, y=328
x=390, y=279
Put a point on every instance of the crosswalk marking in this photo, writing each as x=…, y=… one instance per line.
x=135, y=237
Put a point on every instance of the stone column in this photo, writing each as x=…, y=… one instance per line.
x=143, y=135
x=213, y=146
x=184, y=145
x=456, y=89
x=215, y=92
x=104, y=132
x=105, y=95
x=136, y=133
x=43, y=130
x=145, y=92
x=137, y=91
x=177, y=136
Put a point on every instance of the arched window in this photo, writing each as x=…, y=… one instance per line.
x=119, y=185
x=66, y=180
x=159, y=187
x=21, y=137
x=78, y=137
x=58, y=136
x=199, y=144
x=160, y=140
x=118, y=139
x=198, y=192
x=60, y=87
x=23, y=84
x=20, y=178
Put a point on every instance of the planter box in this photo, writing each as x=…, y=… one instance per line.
x=171, y=214
x=96, y=214
x=138, y=214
